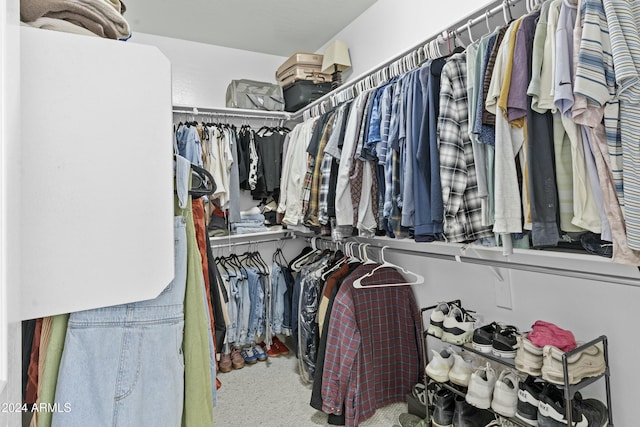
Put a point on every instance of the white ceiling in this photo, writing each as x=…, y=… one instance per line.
x=278, y=27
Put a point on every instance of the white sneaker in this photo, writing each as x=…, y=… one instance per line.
x=505, y=394
x=458, y=326
x=586, y=363
x=437, y=318
x=440, y=365
x=480, y=389
x=528, y=357
x=461, y=371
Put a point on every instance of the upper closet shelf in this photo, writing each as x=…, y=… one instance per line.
x=251, y=238
x=554, y=262
x=231, y=112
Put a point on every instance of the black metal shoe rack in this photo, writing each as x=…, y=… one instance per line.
x=569, y=390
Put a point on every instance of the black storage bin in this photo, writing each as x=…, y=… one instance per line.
x=302, y=93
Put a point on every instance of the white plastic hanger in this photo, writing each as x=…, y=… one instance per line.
x=469, y=31
x=417, y=281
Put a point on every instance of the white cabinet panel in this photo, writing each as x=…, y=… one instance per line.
x=97, y=177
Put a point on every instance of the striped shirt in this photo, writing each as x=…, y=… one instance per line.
x=595, y=80
x=623, y=18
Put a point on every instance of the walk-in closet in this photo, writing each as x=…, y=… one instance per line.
x=438, y=225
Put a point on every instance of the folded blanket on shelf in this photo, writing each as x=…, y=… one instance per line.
x=59, y=25
x=101, y=17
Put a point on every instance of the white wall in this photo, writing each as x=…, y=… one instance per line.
x=201, y=72
x=10, y=336
x=390, y=27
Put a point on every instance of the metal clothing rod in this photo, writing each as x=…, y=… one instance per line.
x=464, y=259
x=251, y=242
x=232, y=112
x=382, y=72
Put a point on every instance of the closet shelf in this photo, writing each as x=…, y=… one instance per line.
x=253, y=238
x=231, y=112
x=555, y=262
x=510, y=363
x=467, y=347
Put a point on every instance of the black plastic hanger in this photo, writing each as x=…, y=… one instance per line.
x=202, y=182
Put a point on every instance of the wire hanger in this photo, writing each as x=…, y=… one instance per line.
x=418, y=279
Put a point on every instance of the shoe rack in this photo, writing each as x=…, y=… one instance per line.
x=569, y=390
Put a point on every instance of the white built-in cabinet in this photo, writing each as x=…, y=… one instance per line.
x=96, y=181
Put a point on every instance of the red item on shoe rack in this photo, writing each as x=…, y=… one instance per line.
x=546, y=333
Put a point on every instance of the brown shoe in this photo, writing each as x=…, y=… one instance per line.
x=224, y=365
x=237, y=361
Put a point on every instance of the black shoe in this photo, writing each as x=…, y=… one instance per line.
x=443, y=408
x=528, y=400
x=483, y=337
x=505, y=343
x=592, y=243
x=466, y=415
x=552, y=411
x=595, y=412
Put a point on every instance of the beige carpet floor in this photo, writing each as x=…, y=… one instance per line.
x=270, y=394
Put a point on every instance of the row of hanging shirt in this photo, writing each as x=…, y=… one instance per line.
x=239, y=160
x=527, y=132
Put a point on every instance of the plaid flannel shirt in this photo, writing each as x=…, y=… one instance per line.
x=373, y=353
x=462, y=212
x=311, y=218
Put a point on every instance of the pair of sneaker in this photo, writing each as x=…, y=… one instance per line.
x=447, y=365
x=543, y=404
x=547, y=361
x=498, y=392
x=496, y=338
x=451, y=323
x=529, y=357
x=253, y=353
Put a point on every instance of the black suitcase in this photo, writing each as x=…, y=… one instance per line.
x=302, y=93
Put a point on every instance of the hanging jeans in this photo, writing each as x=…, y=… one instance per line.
x=244, y=311
x=123, y=365
x=256, y=311
x=288, y=297
x=232, y=309
x=278, y=289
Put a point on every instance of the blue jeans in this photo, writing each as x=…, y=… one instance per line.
x=278, y=290
x=288, y=296
x=232, y=308
x=123, y=365
x=256, y=311
x=244, y=311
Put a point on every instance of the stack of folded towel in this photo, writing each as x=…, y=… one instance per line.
x=251, y=221
x=102, y=18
